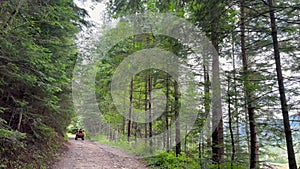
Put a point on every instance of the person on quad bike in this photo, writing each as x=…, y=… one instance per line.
x=79, y=134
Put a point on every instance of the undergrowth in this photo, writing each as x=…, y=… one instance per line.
x=23, y=151
x=162, y=160
x=168, y=160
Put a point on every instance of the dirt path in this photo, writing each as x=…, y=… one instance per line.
x=90, y=155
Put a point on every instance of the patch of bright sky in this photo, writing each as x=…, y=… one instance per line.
x=88, y=37
x=95, y=10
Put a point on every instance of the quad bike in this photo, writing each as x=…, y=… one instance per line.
x=79, y=134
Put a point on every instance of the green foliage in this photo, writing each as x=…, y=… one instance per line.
x=11, y=135
x=37, y=55
x=122, y=143
x=220, y=19
x=12, y=142
x=74, y=125
x=170, y=161
x=274, y=154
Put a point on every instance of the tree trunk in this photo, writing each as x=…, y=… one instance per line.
x=20, y=119
x=230, y=122
x=284, y=107
x=146, y=108
x=254, y=147
x=235, y=101
x=177, y=121
x=150, y=113
x=185, y=140
x=207, y=100
x=200, y=150
x=217, y=122
x=130, y=109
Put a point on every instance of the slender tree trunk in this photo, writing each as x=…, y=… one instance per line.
x=284, y=107
x=254, y=147
x=177, y=122
x=230, y=122
x=170, y=131
x=247, y=126
x=20, y=119
x=207, y=99
x=242, y=25
x=136, y=126
x=130, y=109
x=146, y=108
x=235, y=101
x=12, y=117
x=150, y=112
x=206, y=133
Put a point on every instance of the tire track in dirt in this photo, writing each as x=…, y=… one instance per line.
x=90, y=155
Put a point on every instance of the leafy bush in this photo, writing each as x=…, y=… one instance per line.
x=11, y=135
x=168, y=160
x=11, y=143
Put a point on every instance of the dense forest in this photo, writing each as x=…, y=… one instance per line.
x=37, y=56
x=181, y=83
x=244, y=93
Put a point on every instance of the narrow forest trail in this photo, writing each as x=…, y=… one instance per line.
x=91, y=155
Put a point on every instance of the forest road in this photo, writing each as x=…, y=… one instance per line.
x=84, y=154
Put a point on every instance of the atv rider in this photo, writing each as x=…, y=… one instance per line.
x=79, y=134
